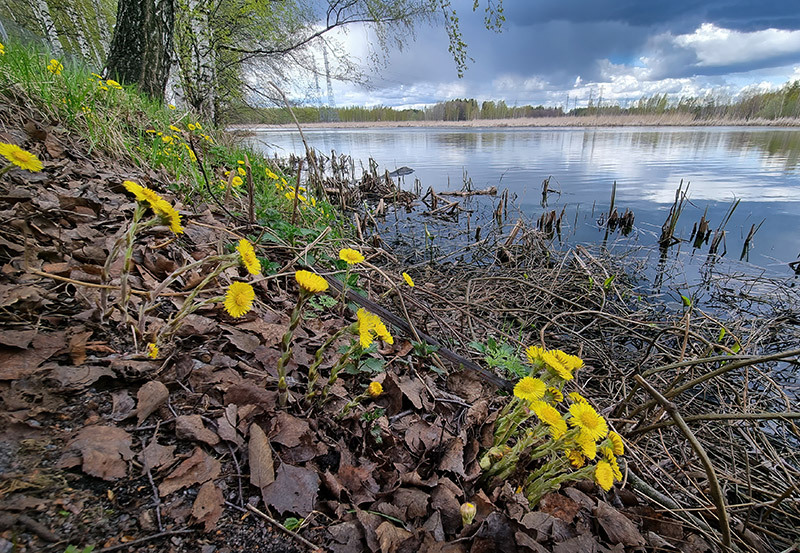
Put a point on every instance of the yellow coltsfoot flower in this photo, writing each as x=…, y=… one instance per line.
x=530, y=389
x=21, y=158
x=375, y=389
x=239, y=299
x=311, y=282
x=604, y=475
x=468, y=512
x=551, y=417
x=534, y=354
x=408, y=279
x=586, y=418
x=556, y=364
x=617, y=444
x=350, y=256
x=586, y=444
x=173, y=218
x=249, y=258
x=369, y=326
x=55, y=67
x=152, y=350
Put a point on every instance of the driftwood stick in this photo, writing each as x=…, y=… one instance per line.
x=277, y=524
x=143, y=540
x=713, y=483
x=726, y=367
x=721, y=417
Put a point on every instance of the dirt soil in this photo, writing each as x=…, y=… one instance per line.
x=104, y=446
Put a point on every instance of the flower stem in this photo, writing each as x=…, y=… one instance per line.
x=189, y=305
x=313, y=370
x=286, y=350
x=336, y=368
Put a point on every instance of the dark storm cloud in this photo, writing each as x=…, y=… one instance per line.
x=550, y=49
x=675, y=15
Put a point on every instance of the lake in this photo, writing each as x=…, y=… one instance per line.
x=758, y=166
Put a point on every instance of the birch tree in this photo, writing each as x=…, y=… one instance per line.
x=141, y=47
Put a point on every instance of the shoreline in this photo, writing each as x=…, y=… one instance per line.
x=538, y=122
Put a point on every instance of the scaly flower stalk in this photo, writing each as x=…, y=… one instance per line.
x=374, y=390
x=286, y=351
x=313, y=370
x=341, y=362
x=172, y=277
x=310, y=284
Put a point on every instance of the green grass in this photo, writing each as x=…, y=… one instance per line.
x=122, y=124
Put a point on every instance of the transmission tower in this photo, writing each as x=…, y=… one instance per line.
x=330, y=113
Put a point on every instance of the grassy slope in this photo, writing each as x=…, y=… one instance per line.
x=122, y=124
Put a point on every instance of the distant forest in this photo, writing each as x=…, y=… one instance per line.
x=782, y=103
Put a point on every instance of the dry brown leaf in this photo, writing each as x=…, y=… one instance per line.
x=347, y=538
x=617, y=526
x=359, y=482
x=248, y=393
x=557, y=505
x=412, y=501
x=198, y=468
x=294, y=490
x=197, y=325
x=443, y=499
x=262, y=469
x=226, y=426
x=245, y=341
x=497, y=531
x=77, y=347
x=290, y=430
x=77, y=377
x=191, y=427
x=390, y=536
x=208, y=505
x=413, y=389
x=122, y=405
x=17, y=338
x=270, y=333
x=369, y=522
x=584, y=543
x=149, y=398
x=155, y=455
x=15, y=364
x=105, y=451
x=453, y=458
x=53, y=146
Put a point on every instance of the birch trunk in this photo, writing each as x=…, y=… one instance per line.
x=197, y=56
x=78, y=27
x=41, y=11
x=141, y=47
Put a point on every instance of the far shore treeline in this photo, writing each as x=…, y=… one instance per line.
x=778, y=104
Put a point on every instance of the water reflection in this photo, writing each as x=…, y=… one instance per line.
x=757, y=166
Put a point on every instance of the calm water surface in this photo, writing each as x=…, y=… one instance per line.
x=759, y=166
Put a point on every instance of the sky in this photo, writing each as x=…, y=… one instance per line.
x=551, y=52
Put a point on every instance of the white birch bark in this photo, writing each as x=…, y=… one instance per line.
x=41, y=10
x=203, y=58
x=78, y=28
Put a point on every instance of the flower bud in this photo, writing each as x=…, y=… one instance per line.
x=468, y=512
x=375, y=389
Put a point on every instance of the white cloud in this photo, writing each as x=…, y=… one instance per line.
x=716, y=46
